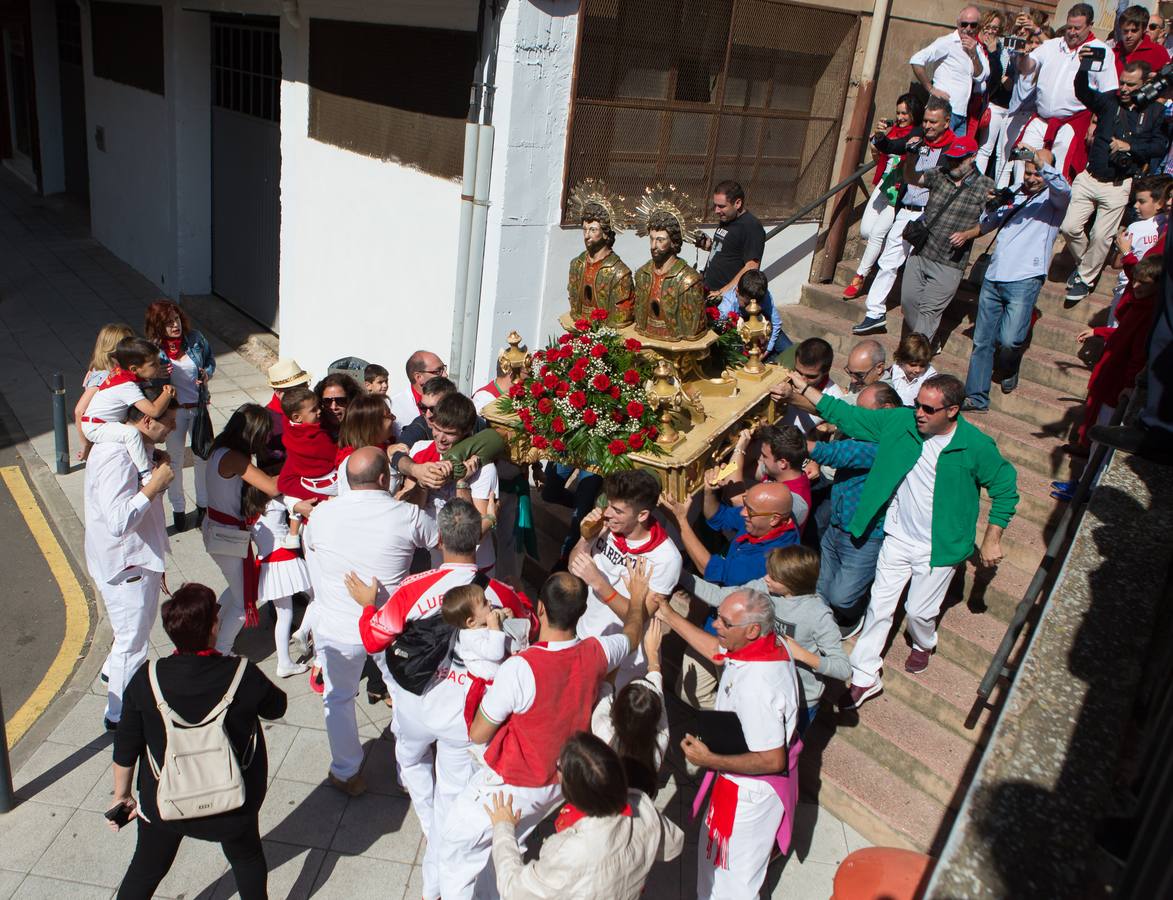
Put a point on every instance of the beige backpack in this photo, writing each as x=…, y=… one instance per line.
x=200, y=775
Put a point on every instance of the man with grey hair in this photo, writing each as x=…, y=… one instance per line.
x=759, y=685
x=434, y=761
x=956, y=64
x=364, y=536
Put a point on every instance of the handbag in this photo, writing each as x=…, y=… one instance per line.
x=201, y=428
x=916, y=233
x=226, y=540
x=977, y=271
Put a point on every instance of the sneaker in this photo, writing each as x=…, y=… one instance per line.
x=967, y=405
x=110, y=726
x=1077, y=290
x=180, y=520
x=301, y=647
x=1064, y=487
x=1073, y=277
x=856, y=695
x=354, y=786
x=854, y=289
x=317, y=683
x=850, y=631
x=295, y=669
x=869, y=325
x=917, y=662
x=1009, y=383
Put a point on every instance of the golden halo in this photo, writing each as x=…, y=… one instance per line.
x=675, y=203
x=595, y=191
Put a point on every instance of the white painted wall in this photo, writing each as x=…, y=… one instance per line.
x=43, y=19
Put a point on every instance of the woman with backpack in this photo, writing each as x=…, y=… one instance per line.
x=172, y=803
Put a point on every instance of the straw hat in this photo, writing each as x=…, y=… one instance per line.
x=286, y=373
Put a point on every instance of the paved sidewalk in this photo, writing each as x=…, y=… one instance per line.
x=57, y=287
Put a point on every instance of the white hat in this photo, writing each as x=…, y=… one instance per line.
x=286, y=373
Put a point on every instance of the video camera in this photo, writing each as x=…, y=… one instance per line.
x=1155, y=86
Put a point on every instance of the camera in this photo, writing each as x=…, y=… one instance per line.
x=1155, y=86
x=1004, y=197
x=1124, y=164
x=1014, y=44
x=1022, y=154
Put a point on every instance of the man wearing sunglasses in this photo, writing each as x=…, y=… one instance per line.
x=957, y=63
x=422, y=366
x=930, y=468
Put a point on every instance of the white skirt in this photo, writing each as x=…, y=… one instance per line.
x=282, y=579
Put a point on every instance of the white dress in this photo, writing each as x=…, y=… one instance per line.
x=285, y=577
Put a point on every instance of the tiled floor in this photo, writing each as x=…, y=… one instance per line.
x=57, y=287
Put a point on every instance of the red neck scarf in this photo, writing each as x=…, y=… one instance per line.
x=211, y=651
x=656, y=536
x=274, y=405
x=428, y=454
x=117, y=377
x=764, y=649
x=770, y=535
x=173, y=347
x=569, y=815
x=947, y=137
x=491, y=388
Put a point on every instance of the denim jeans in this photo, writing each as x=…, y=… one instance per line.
x=846, y=571
x=1003, y=320
x=957, y=124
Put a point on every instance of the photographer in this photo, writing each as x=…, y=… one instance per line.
x=1126, y=136
x=1027, y=220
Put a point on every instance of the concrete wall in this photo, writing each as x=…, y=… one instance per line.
x=43, y=21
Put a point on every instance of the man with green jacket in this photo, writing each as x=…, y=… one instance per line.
x=930, y=468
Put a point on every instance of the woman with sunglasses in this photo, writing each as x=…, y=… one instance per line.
x=335, y=394
x=995, y=118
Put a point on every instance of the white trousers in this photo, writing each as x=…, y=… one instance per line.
x=1037, y=130
x=892, y=257
x=755, y=828
x=995, y=140
x=120, y=433
x=342, y=666
x=132, y=602
x=176, y=441
x=878, y=217
x=231, y=601
x=900, y=563
x=1010, y=172
x=466, y=837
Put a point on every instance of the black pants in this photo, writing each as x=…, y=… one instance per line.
x=156, y=849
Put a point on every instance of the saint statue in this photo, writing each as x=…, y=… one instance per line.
x=669, y=293
x=599, y=279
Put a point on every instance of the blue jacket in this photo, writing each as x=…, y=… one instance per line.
x=196, y=346
x=746, y=558
x=852, y=461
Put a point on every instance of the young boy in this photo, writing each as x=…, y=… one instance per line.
x=310, y=467
x=1139, y=238
x=912, y=366
x=754, y=285
x=453, y=419
x=603, y=555
x=375, y=379
x=138, y=361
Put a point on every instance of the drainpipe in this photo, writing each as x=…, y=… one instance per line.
x=474, y=204
x=856, y=141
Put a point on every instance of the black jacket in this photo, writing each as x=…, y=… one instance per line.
x=1139, y=126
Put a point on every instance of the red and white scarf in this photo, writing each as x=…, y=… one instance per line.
x=656, y=536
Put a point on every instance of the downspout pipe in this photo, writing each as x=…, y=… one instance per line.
x=856, y=141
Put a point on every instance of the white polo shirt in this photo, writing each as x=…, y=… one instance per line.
x=123, y=527
x=954, y=69
x=110, y=404
x=1055, y=82
x=764, y=695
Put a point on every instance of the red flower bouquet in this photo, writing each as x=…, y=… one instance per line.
x=585, y=402
x=730, y=349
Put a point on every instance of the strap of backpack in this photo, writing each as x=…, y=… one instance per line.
x=229, y=696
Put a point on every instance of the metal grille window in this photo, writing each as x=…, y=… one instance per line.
x=128, y=44
x=695, y=91
x=69, y=32
x=246, y=68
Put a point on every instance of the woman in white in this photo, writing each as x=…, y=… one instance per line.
x=997, y=92
x=888, y=143
x=191, y=364
x=1022, y=106
x=226, y=533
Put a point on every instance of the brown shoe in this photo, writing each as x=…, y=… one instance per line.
x=917, y=662
x=354, y=786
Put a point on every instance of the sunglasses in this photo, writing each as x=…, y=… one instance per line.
x=443, y=370
x=335, y=401
x=929, y=410
x=1153, y=26
x=858, y=376
x=969, y=25
x=427, y=411
x=751, y=513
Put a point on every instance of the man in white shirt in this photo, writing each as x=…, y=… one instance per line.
x=369, y=533
x=422, y=366
x=539, y=698
x=1061, y=119
x=603, y=556
x=126, y=544
x=759, y=685
x=957, y=64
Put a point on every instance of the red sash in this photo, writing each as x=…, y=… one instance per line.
x=117, y=377
x=656, y=536
x=428, y=454
x=248, y=564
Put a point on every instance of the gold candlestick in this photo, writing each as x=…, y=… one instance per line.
x=515, y=357
x=664, y=395
x=755, y=332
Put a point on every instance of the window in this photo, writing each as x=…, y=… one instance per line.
x=695, y=91
x=246, y=68
x=392, y=92
x=128, y=44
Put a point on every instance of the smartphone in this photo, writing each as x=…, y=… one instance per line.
x=1014, y=44
x=119, y=815
x=1095, y=61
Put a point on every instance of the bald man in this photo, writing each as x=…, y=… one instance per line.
x=422, y=366
x=955, y=64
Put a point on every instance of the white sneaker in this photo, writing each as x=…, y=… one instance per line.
x=295, y=669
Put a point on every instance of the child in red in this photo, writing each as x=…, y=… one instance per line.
x=310, y=470
x=1125, y=346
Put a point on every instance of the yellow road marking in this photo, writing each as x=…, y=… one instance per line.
x=77, y=611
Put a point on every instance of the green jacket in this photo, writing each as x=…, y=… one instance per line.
x=970, y=462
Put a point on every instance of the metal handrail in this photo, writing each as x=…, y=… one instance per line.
x=823, y=198
x=997, y=668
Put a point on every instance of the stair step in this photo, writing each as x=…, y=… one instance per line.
x=944, y=692
x=870, y=797
x=968, y=638
x=999, y=592
x=1035, y=503
x=900, y=738
x=1029, y=445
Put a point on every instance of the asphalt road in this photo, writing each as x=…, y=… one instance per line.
x=32, y=611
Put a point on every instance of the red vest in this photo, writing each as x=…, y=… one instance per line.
x=524, y=751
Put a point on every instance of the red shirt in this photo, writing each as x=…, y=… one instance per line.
x=1146, y=51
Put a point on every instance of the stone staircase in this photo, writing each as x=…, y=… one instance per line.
x=896, y=769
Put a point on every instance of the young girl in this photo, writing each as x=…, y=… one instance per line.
x=912, y=366
x=309, y=470
x=634, y=721
x=101, y=364
x=281, y=571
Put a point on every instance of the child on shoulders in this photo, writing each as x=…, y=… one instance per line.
x=912, y=366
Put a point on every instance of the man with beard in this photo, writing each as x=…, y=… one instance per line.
x=669, y=293
x=737, y=245
x=599, y=279
x=957, y=195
